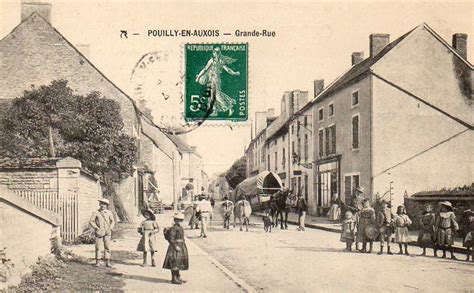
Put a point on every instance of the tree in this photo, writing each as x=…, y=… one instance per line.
x=237, y=172
x=53, y=121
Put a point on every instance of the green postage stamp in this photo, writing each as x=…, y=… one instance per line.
x=216, y=82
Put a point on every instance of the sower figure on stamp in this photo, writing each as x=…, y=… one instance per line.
x=384, y=223
x=211, y=75
x=426, y=234
x=445, y=226
x=177, y=258
x=103, y=222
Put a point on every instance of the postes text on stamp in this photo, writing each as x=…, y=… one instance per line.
x=216, y=82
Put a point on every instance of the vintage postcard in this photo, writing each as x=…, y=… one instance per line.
x=236, y=146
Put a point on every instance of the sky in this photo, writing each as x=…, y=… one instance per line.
x=313, y=40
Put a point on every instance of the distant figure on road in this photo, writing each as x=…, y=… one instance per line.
x=213, y=202
x=227, y=209
x=194, y=220
x=103, y=222
x=402, y=221
x=204, y=209
x=148, y=229
x=301, y=208
x=177, y=258
x=445, y=226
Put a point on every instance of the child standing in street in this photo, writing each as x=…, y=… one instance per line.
x=426, y=234
x=348, y=230
x=148, y=229
x=402, y=221
x=177, y=257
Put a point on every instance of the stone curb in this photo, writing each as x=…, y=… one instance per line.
x=234, y=278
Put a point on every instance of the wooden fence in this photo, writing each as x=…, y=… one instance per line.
x=64, y=204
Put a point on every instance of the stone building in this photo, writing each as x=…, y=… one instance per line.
x=279, y=144
x=35, y=53
x=397, y=122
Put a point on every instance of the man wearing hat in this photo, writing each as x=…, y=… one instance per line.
x=205, y=209
x=103, y=222
x=445, y=225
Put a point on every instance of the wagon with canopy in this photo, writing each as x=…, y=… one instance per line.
x=258, y=189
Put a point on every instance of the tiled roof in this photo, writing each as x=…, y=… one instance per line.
x=179, y=142
x=14, y=163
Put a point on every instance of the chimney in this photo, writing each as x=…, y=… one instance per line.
x=460, y=44
x=42, y=8
x=318, y=86
x=357, y=57
x=271, y=112
x=377, y=43
x=84, y=49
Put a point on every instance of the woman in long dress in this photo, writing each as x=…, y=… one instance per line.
x=211, y=75
x=335, y=209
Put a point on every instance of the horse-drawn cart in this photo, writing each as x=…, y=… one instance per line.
x=258, y=189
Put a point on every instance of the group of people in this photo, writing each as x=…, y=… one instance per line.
x=366, y=225
x=177, y=257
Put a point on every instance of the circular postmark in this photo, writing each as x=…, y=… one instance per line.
x=157, y=83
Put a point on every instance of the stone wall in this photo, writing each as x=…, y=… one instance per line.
x=24, y=224
x=30, y=179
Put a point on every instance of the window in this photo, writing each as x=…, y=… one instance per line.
x=263, y=156
x=305, y=121
x=283, y=137
x=321, y=114
x=292, y=129
x=306, y=187
x=321, y=143
x=355, y=98
x=299, y=149
x=276, y=161
x=305, y=147
x=331, y=110
x=328, y=151
x=351, y=182
x=331, y=140
x=355, y=132
x=283, y=159
x=268, y=162
x=293, y=151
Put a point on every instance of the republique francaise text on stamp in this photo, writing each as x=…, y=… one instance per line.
x=216, y=82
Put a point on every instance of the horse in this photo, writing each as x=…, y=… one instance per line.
x=280, y=206
x=242, y=211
